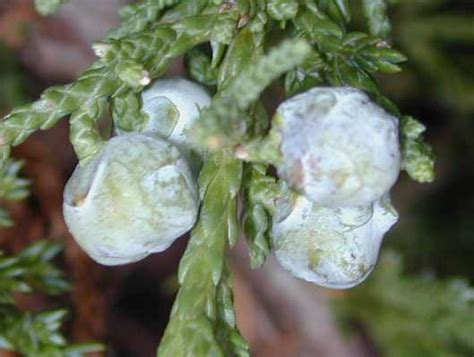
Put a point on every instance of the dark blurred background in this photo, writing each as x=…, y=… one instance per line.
x=418, y=302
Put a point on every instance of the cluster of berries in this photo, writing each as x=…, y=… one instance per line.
x=340, y=152
x=339, y=157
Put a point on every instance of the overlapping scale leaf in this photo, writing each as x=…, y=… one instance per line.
x=202, y=319
x=126, y=112
x=338, y=10
x=260, y=192
x=39, y=333
x=282, y=10
x=137, y=17
x=200, y=68
x=220, y=123
x=12, y=187
x=418, y=156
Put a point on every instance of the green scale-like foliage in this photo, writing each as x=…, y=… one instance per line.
x=34, y=334
x=202, y=320
x=315, y=47
x=12, y=187
x=55, y=103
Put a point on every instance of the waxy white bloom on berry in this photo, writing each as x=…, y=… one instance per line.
x=338, y=148
x=334, y=248
x=173, y=105
x=135, y=198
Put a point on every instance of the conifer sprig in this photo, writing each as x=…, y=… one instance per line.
x=35, y=333
x=202, y=321
x=221, y=123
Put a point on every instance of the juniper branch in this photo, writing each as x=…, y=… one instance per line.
x=34, y=333
x=54, y=103
x=84, y=129
x=127, y=114
x=152, y=48
x=261, y=191
x=197, y=311
x=220, y=124
x=137, y=17
x=418, y=157
x=202, y=320
x=12, y=187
